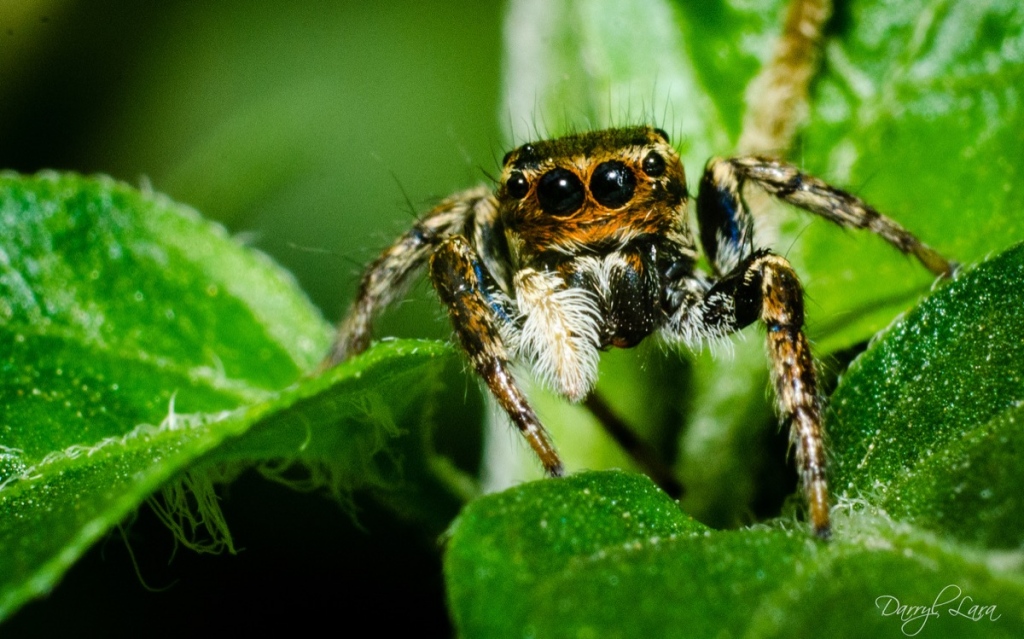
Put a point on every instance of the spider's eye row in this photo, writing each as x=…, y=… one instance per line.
x=517, y=186
x=654, y=164
x=612, y=184
x=560, y=192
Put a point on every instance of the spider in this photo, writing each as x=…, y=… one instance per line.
x=586, y=245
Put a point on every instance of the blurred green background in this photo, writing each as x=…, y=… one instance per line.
x=304, y=126
x=313, y=131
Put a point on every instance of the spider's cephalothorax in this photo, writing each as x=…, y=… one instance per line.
x=586, y=244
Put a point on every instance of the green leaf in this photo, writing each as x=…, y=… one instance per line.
x=607, y=555
x=926, y=424
x=141, y=346
x=503, y=547
x=917, y=111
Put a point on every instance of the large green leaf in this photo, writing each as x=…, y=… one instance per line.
x=608, y=555
x=927, y=424
x=143, y=345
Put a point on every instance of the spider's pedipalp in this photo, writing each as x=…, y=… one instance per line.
x=559, y=333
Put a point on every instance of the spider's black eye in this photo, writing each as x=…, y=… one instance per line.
x=664, y=136
x=654, y=164
x=525, y=153
x=612, y=184
x=560, y=192
x=517, y=186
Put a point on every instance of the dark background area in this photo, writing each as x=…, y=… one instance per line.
x=310, y=130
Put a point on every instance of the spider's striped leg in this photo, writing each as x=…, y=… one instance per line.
x=457, y=273
x=772, y=289
x=386, y=279
x=791, y=185
x=764, y=287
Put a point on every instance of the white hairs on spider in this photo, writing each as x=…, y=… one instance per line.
x=560, y=332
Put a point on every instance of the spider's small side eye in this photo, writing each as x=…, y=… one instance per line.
x=517, y=186
x=654, y=164
x=506, y=158
x=560, y=192
x=612, y=184
x=664, y=136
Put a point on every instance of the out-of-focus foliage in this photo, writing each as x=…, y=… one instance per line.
x=142, y=347
x=304, y=127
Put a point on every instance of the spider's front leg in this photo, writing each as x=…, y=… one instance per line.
x=457, y=273
x=387, y=277
x=726, y=226
x=759, y=285
x=768, y=289
x=762, y=286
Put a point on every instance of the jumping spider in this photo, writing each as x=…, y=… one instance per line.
x=586, y=244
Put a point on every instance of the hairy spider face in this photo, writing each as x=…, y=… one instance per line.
x=603, y=216
x=591, y=193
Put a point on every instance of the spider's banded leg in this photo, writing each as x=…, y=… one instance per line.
x=455, y=270
x=764, y=287
x=386, y=279
x=788, y=183
x=770, y=291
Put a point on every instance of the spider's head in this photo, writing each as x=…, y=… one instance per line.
x=592, y=192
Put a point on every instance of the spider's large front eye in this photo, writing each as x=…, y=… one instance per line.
x=612, y=184
x=517, y=186
x=560, y=192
